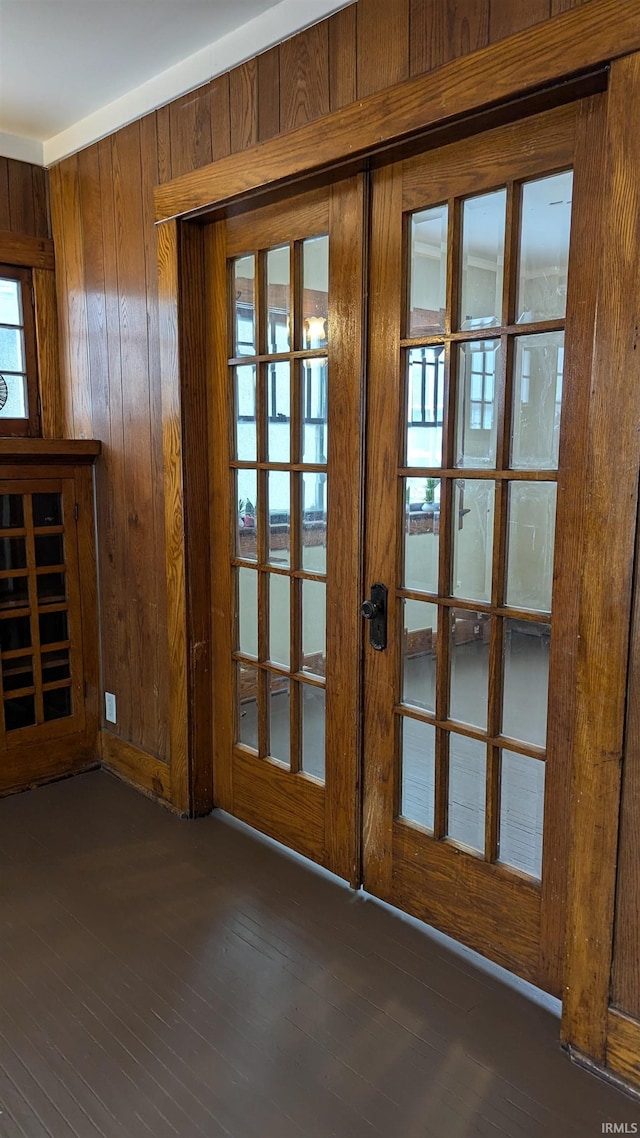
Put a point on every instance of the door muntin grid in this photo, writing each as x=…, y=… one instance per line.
x=36, y=659
x=278, y=370
x=478, y=519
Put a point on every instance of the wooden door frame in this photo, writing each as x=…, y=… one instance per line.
x=543, y=66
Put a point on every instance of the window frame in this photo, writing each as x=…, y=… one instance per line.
x=29, y=427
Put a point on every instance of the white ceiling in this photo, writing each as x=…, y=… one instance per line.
x=73, y=70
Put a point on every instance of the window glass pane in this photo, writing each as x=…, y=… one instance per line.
x=279, y=712
x=526, y=681
x=14, y=592
x=418, y=772
x=314, y=627
x=314, y=522
x=473, y=509
x=15, y=405
x=15, y=633
x=49, y=549
x=279, y=412
x=314, y=411
x=544, y=248
x=247, y=513
x=278, y=306
x=55, y=665
x=483, y=227
x=56, y=704
x=279, y=517
x=421, y=533
x=313, y=730
x=244, y=306
x=248, y=611
x=428, y=287
x=11, y=349
x=245, y=398
x=53, y=627
x=279, y=626
x=467, y=790
x=18, y=673
x=47, y=509
x=470, y=634
x=11, y=511
x=537, y=400
x=521, y=812
x=477, y=425
x=19, y=712
x=531, y=538
x=315, y=292
x=52, y=588
x=10, y=301
x=425, y=406
x=419, y=654
x=13, y=553
x=247, y=703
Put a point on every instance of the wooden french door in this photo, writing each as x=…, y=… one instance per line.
x=467, y=502
x=459, y=747
x=286, y=355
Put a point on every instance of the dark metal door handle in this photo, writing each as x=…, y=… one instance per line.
x=375, y=611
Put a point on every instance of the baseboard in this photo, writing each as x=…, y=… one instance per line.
x=141, y=770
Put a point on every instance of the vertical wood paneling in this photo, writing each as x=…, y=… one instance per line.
x=190, y=127
x=268, y=94
x=383, y=44
x=46, y=322
x=111, y=490
x=41, y=225
x=160, y=696
x=304, y=77
x=558, y=6
x=342, y=57
x=134, y=349
x=243, y=104
x=442, y=30
x=507, y=17
x=21, y=198
x=220, y=117
x=71, y=278
x=5, y=212
x=163, y=137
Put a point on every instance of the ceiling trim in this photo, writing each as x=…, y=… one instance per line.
x=257, y=35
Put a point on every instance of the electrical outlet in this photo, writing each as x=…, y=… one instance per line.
x=110, y=707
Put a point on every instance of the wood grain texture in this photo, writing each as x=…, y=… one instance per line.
x=383, y=44
x=623, y=1046
x=582, y=301
x=508, y=17
x=264, y=798
x=174, y=514
x=612, y=462
x=49, y=450
x=21, y=249
x=582, y=39
x=342, y=57
x=21, y=198
x=559, y=6
x=268, y=94
x=220, y=118
x=442, y=30
x=304, y=77
x=46, y=322
x=625, y=987
x=135, y=766
x=243, y=103
x=90, y=691
x=5, y=211
x=190, y=126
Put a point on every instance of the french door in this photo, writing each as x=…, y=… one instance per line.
x=424, y=753
x=287, y=355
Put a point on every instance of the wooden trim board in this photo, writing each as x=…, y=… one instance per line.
x=577, y=42
x=136, y=766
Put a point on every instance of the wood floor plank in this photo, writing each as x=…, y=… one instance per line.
x=163, y=977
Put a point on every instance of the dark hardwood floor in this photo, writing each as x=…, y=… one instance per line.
x=161, y=977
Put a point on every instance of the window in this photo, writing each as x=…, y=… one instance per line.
x=18, y=359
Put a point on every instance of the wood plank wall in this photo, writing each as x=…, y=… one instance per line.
x=107, y=281
x=23, y=199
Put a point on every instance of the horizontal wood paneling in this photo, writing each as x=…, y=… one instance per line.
x=107, y=289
